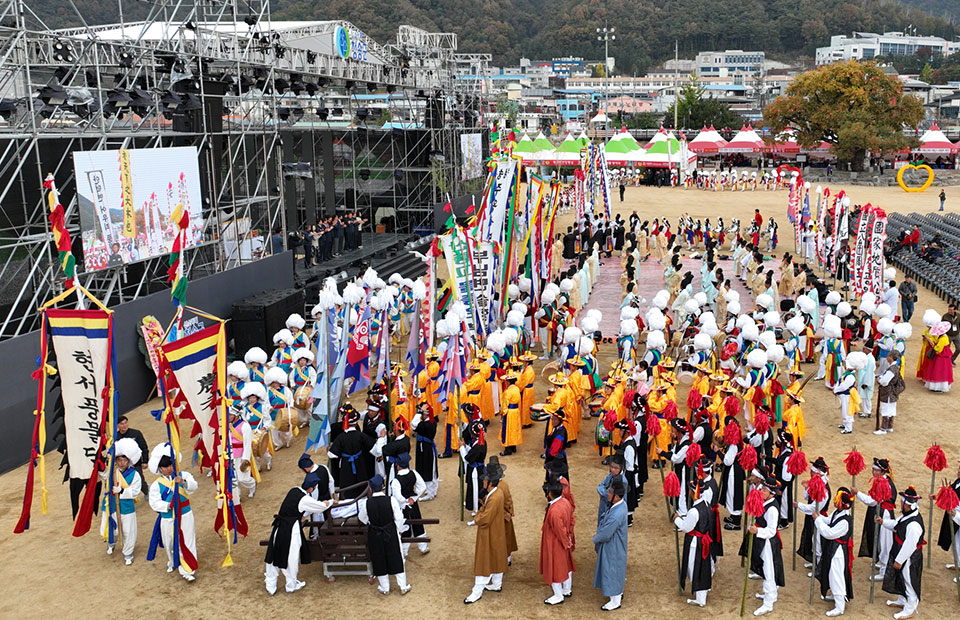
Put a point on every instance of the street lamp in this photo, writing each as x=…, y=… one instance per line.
x=606, y=35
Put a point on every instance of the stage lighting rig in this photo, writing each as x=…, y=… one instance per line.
x=8, y=107
x=311, y=88
x=280, y=85
x=311, y=57
x=63, y=51
x=189, y=103
x=53, y=95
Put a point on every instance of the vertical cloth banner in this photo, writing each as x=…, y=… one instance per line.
x=472, y=274
x=858, y=271
x=126, y=196
x=491, y=226
x=80, y=341
x=190, y=363
x=603, y=180
x=358, y=354
x=875, y=261
x=822, y=207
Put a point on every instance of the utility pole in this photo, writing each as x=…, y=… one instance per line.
x=676, y=94
x=606, y=35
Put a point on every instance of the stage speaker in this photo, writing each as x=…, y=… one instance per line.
x=256, y=319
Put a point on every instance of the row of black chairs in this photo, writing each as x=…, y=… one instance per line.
x=936, y=269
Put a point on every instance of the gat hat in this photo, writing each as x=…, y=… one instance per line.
x=882, y=464
x=310, y=481
x=558, y=467
x=771, y=484
x=820, y=465
x=910, y=495
x=304, y=461
x=680, y=425
x=493, y=473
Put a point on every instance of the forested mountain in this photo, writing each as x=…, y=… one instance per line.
x=539, y=29
x=948, y=9
x=646, y=29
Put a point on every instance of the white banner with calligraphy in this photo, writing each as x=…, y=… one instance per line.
x=81, y=342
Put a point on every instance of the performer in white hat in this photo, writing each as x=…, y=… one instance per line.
x=162, y=501
x=303, y=377
x=126, y=488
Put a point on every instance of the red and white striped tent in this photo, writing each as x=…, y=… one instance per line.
x=933, y=142
x=821, y=150
x=785, y=144
x=746, y=141
x=707, y=141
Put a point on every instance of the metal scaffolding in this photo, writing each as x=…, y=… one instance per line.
x=246, y=91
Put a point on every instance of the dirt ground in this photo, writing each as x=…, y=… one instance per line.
x=49, y=574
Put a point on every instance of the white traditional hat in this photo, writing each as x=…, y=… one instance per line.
x=255, y=355
x=254, y=388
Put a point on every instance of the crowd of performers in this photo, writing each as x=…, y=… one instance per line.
x=747, y=366
x=714, y=179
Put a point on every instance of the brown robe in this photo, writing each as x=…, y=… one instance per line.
x=508, y=513
x=490, y=553
x=556, y=543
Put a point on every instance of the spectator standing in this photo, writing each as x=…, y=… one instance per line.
x=908, y=297
x=943, y=198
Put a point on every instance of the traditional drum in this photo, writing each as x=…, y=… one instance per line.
x=284, y=421
x=302, y=398
x=261, y=442
x=537, y=413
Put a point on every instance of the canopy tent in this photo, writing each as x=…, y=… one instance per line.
x=567, y=154
x=667, y=153
x=784, y=144
x=659, y=137
x=622, y=149
x=707, y=141
x=746, y=141
x=821, y=150
x=525, y=149
x=541, y=143
x=600, y=118
x=933, y=142
x=583, y=139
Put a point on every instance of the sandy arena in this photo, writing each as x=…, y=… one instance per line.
x=50, y=574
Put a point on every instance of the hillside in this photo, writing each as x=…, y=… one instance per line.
x=948, y=9
x=646, y=29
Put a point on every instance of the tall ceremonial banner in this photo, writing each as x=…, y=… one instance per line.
x=858, y=272
x=471, y=266
x=603, y=181
x=191, y=365
x=358, y=353
x=822, y=207
x=82, y=343
x=494, y=215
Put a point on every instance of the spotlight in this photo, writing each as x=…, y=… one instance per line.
x=296, y=86
x=53, y=95
x=391, y=88
x=170, y=100
x=311, y=57
x=251, y=20
x=118, y=98
x=311, y=88
x=279, y=50
x=362, y=114
x=140, y=101
x=247, y=82
x=323, y=114
x=421, y=95
x=322, y=81
x=125, y=59
x=337, y=111
x=283, y=113
x=349, y=84
x=372, y=87
x=63, y=51
x=190, y=24
x=281, y=86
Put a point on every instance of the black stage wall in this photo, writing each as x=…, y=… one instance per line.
x=213, y=294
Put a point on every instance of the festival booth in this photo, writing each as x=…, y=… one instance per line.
x=668, y=152
x=822, y=151
x=660, y=136
x=623, y=150
x=934, y=144
x=746, y=141
x=708, y=141
x=583, y=139
x=567, y=154
x=525, y=148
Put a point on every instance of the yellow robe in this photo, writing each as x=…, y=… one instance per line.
x=793, y=418
x=527, y=380
x=510, y=434
x=472, y=390
x=486, y=393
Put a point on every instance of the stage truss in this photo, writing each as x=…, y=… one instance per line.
x=244, y=89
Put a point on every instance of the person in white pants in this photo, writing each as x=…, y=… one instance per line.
x=844, y=386
x=286, y=539
x=904, y=574
x=127, y=487
x=836, y=531
x=768, y=547
x=161, y=501
x=241, y=449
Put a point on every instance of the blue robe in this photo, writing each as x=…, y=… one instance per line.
x=610, y=543
x=602, y=489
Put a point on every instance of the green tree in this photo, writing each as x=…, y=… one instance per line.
x=643, y=120
x=598, y=70
x=853, y=106
x=508, y=109
x=926, y=74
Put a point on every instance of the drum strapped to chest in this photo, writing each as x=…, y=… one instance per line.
x=603, y=435
x=302, y=398
x=261, y=442
x=537, y=412
x=284, y=421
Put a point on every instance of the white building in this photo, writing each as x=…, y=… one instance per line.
x=867, y=45
x=737, y=64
